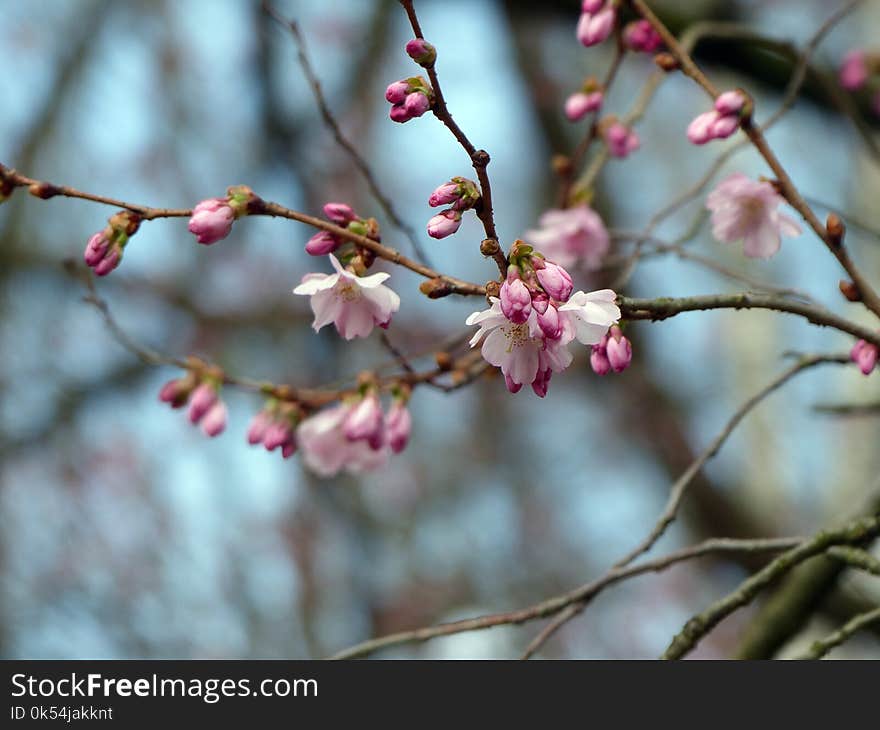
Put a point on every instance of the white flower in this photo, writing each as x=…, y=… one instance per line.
x=355, y=304
x=515, y=348
x=591, y=314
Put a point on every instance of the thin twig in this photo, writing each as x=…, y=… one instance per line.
x=857, y=623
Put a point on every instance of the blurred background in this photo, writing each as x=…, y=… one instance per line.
x=126, y=533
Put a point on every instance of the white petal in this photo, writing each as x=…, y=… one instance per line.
x=313, y=283
x=326, y=307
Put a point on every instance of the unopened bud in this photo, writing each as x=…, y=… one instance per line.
x=444, y=361
x=493, y=288
x=489, y=247
x=561, y=164
x=435, y=288
x=666, y=61
x=835, y=228
x=850, y=290
x=43, y=190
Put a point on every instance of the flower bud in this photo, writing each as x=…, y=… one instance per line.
x=511, y=386
x=339, y=213
x=258, y=427
x=399, y=113
x=854, y=71
x=699, y=131
x=556, y=281
x=865, y=355
x=618, y=351
x=322, y=243
x=109, y=262
x=620, y=139
x=277, y=434
x=640, y=36
x=202, y=400
x=593, y=28
x=444, y=195
x=211, y=220
x=96, y=248
x=417, y=104
x=579, y=104
x=422, y=52
x=364, y=420
x=176, y=392
x=444, y=223
x=550, y=323
x=398, y=426
x=214, y=421
x=542, y=382
x=396, y=92
x=598, y=358
x=730, y=102
x=516, y=300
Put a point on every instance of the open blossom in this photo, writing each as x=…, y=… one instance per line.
x=591, y=314
x=570, y=236
x=327, y=450
x=854, y=70
x=211, y=220
x=620, y=140
x=640, y=36
x=595, y=23
x=865, y=355
x=746, y=210
x=355, y=304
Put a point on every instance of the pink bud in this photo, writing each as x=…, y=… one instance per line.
x=444, y=223
x=203, y=398
x=699, y=131
x=618, y=351
x=214, y=421
x=640, y=36
x=109, y=262
x=854, y=70
x=420, y=51
x=556, y=281
x=865, y=355
x=591, y=6
x=511, y=386
x=516, y=300
x=550, y=323
x=724, y=126
x=396, y=92
x=258, y=427
x=444, y=195
x=322, y=243
x=96, y=248
x=730, y=102
x=598, y=358
x=417, y=104
x=211, y=220
x=542, y=382
x=621, y=140
x=364, y=420
x=340, y=213
x=593, y=28
x=578, y=105
x=175, y=392
x=277, y=434
x=398, y=426
x=399, y=114
x=289, y=448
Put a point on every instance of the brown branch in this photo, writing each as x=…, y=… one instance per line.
x=857, y=623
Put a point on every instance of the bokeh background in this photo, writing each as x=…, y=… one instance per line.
x=126, y=533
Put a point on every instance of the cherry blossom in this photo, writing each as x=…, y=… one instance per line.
x=570, y=236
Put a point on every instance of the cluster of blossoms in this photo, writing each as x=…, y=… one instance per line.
x=355, y=435
x=862, y=69
x=746, y=210
x=596, y=21
x=588, y=99
x=620, y=139
x=104, y=250
x=324, y=242
x=721, y=121
x=536, y=315
x=202, y=393
x=409, y=98
x=212, y=219
x=570, y=236
x=460, y=194
x=865, y=355
x=640, y=36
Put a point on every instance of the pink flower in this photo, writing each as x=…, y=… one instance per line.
x=214, y=421
x=570, y=236
x=355, y=304
x=201, y=401
x=211, y=220
x=579, y=104
x=445, y=223
x=592, y=6
x=398, y=426
x=591, y=314
x=640, y=36
x=746, y=210
x=555, y=280
x=865, y=355
x=620, y=140
x=326, y=450
x=854, y=70
x=594, y=27
x=516, y=300
x=365, y=422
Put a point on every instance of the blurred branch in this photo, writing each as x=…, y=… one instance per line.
x=823, y=646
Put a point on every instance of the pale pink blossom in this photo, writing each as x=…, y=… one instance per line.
x=595, y=27
x=730, y=102
x=591, y=314
x=211, y=220
x=515, y=348
x=865, y=355
x=571, y=236
x=354, y=304
x=746, y=210
x=555, y=280
x=398, y=426
x=579, y=104
x=326, y=450
x=445, y=223
x=854, y=70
